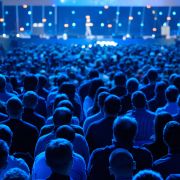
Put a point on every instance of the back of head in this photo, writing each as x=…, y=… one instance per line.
x=121, y=163
x=61, y=79
x=68, y=88
x=124, y=130
x=147, y=175
x=112, y=105
x=171, y=135
x=14, y=107
x=66, y=103
x=176, y=82
x=4, y=153
x=132, y=85
x=6, y=134
x=16, y=174
x=62, y=116
x=161, y=120
x=101, y=98
x=30, y=100
x=66, y=132
x=42, y=80
x=59, y=156
x=94, y=85
x=120, y=79
x=160, y=88
x=152, y=75
x=59, y=98
x=2, y=82
x=93, y=74
x=171, y=93
x=30, y=83
x=173, y=177
x=139, y=99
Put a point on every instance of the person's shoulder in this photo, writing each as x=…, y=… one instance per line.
x=102, y=150
x=29, y=126
x=39, y=116
x=141, y=150
x=77, y=129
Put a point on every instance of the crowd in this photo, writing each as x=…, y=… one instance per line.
x=90, y=112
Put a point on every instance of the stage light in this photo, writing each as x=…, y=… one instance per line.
x=142, y=24
x=168, y=18
x=109, y=25
x=155, y=18
x=117, y=13
x=160, y=13
x=1, y=20
x=29, y=12
x=73, y=12
x=27, y=24
x=102, y=24
x=128, y=35
x=139, y=13
x=120, y=24
x=4, y=24
x=154, y=29
x=100, y=12
x=40, y=25
x=62, y=1
x=66, y=25
x=165, y=24
x=4, y=35
x=148, y=6
x=90, y=46
x=174, y=13
x=153, y=35
x=50, y=12
x=178, y=24
x=25, y=6
x=35, y=25
x=88, y=17
x=73, y=24
x=131, y=18
x=106, y=7
x=44, y=20
x=21, y=29
x=153, y=12
x=17, y=35
x=6, y=12
x=49, y=24
x=83, y=46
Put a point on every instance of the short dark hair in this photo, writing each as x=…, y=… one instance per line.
x=62, y=116
x=112, y=104
x=171, y=93
x=30, y=82
x=139, y=99
x=125, y=129
x=68, y=88
x=132, y=85
x=147, y=174
x=66, y=132
x=152, y=74
x=93, y=74
x=160, y=87
x=59, y=154
x=16, y=174
x=171, y=134
x=59, y=98
x=14, y=106
x=66, y=103
x=6, y=134
x=4, y=152
x=30, y=99
x=161, y=119
x=120, y=78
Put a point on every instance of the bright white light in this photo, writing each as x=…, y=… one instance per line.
x=83, y=46
x=128, y=35
x=106, y=43
x=65, y=36
x=100, y=12
x=62, y=1
x=174, y=13
x=153, y=35
x=73, y=12
x=29, y=12
x=4, y=35
x=142, y=24
x=90, y=45
x=17, y=35
x=120, y=24
x=139, y=13
x=178, y=24
x=165, y=24
x=160, y=13
x=117, y=13
x=27, y=24
x=50, y=12
x=49, y=24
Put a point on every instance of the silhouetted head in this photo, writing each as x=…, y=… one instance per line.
x=30, y=100
x=43, y=80
x=66, y=103
x=69, y=89
x=30, y=83
x=171, y=93
x=124, y=130
x=101, y=98
x=120, y=79
x=93, y=74
x=139, y=99
x=152, y=75
x=160, y=88
x=59, y=98
x=132, y=85
x=59, y=156
x=147, y=175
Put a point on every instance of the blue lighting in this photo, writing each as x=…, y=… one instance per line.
x=100, y=12
x=117, y=13
x=174, y=13
x=178, y=24
x=102, y=24
x=6, y=12
x=73, y=24
x=50, y=12
x=29, y=12
x=27, y=24
x=4, y=24
x=120, y=24
x=49, y=24
x=142, y=24
x=139, y=13
x=160, y=13
x=73, y=12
